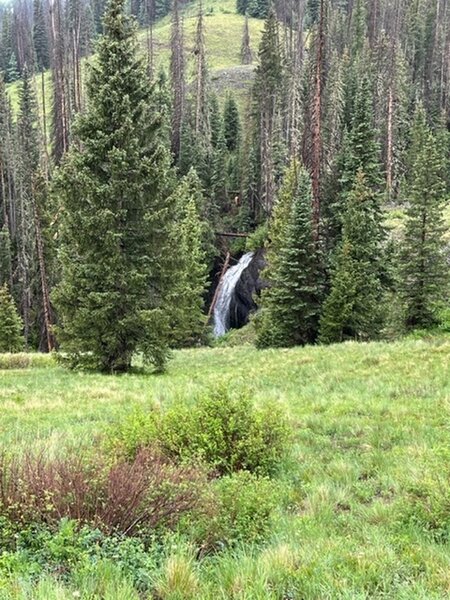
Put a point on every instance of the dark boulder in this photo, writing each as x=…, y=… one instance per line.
x=246, y=292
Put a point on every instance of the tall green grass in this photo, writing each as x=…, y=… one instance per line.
x=367, y=506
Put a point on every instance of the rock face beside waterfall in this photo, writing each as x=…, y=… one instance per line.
x=247, y=290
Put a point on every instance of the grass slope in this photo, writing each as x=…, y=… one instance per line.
x=223, y=35
x=369, y=513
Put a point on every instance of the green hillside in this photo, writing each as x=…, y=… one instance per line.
x=224, y=29
x=364, y=486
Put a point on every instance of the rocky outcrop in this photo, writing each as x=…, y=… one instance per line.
x=245, y=298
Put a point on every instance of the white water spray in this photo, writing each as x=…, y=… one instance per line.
x=225, y=295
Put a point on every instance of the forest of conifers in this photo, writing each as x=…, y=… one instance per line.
x=121, y=164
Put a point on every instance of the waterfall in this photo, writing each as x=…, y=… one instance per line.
x=225, y=295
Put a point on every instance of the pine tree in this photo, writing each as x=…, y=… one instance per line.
x=364, y=149
x=114, y=190
x=186, y=297
x=5, y=256
x=11, y=339
x=219, y=187
x=352, y=309
x=267, y=92
x=360, y=151
x=6, y=40
x=424, y=272
x=40, y=36
x=291, y=305
x=12, y=71
x=231, y=124
x=28, y=155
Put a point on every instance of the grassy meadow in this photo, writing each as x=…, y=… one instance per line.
x=364, y=500
x=223, y=35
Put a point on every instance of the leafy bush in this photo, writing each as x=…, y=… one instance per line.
x=244, y=508
x=131, y=497
x=222, y=429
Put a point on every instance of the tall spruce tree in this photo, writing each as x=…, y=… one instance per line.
x=291, y=305
x=231, y=124
x=267, y=92
x=352, y=309
x=40, y=36
x=186, y=296
x=360, y=151
x=5, y=256
x=424, y=272
x=28, y=154
x=113, y=189
x=11, y=339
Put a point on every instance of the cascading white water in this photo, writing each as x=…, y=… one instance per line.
x=227, y=286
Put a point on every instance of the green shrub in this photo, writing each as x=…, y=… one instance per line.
x=223, y=429
x=244, y=506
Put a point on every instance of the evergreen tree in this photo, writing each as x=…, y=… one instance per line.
x=6, y=43
x=5, y=256
x=186, y=297
x=424, y=271
x=11, y=339
x=360, y=151
x=40, y=36
x=267, y=93
x=114, y=190
x=231, y=124
x=352, y=309
x=219, y=187
x=28, y=155
x=291, y=305
x=12, y=70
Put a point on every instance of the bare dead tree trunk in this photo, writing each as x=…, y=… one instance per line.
x=390, y=142
x=202, y=123
x=59, y=72
x=296, y=60
x=44, y=128
x=177, y=79
x=316, y=157
x=43, y=274
x=246, y=51
x=149, y=8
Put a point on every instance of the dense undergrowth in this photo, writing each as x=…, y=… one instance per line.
x=303, y=473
